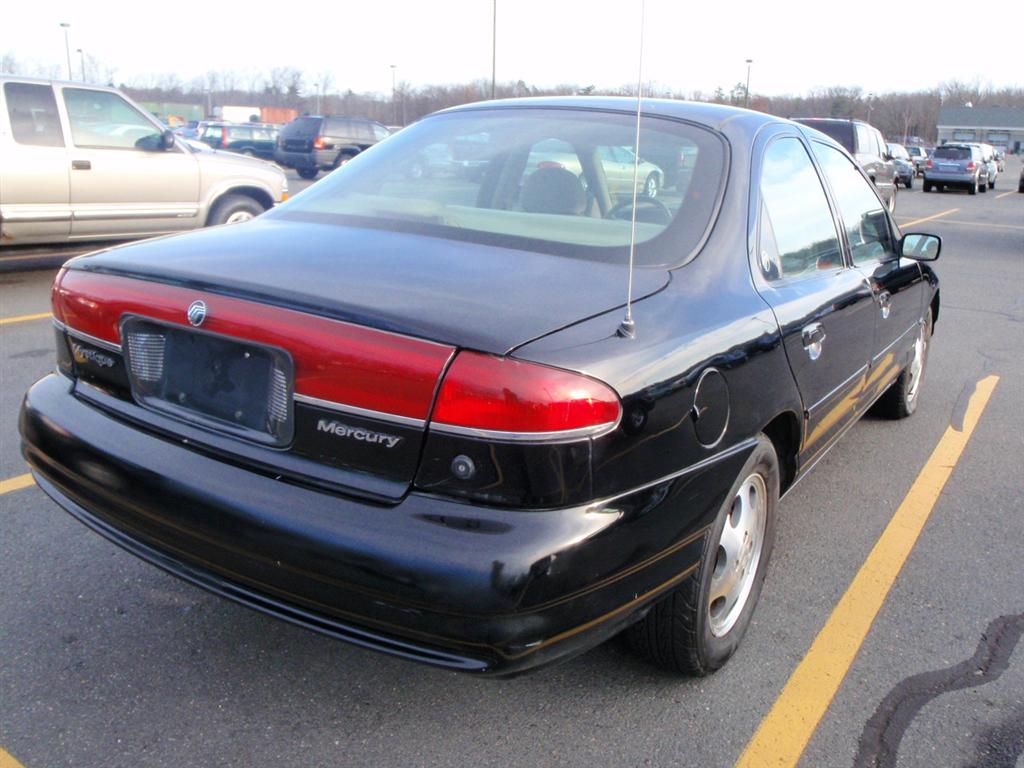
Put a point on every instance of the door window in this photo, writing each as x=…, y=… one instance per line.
x=380, y=132
x=33, y=113
x=797, y=232
x=105, y=120
x=863, y=214
x=865, y=142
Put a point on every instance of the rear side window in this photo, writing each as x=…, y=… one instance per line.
x=865, y=141
x=953, y=153
x=797, y=233
x=841, y=131
x=32, y=110
x=239, y=133
x=302, y=127
x=338, y=127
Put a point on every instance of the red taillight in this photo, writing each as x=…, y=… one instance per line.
x=318, y=142
x=224, y=138
x=929, y=163
x=482, y=393
x=55, y=303
x=549, y=164
x=334, y=361
x=971, y=166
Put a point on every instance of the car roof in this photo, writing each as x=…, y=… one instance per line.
x=710, y=115
x=64, y=83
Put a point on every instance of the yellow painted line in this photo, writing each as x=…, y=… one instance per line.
x=783, y=735
x=15, y=484
x=1011, y=192
x=929, y=218
x=7, y=760
x=23, y=318
x=982, y=224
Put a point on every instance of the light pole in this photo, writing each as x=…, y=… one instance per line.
x=316, y=87
x=81, y=59
x=494, y=47
x=67, y=45
x=746, y=90
x=394, y=98
x=871, y=106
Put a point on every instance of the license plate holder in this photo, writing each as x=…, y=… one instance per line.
x=223, y=383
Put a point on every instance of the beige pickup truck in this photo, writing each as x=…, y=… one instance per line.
x=83, y=162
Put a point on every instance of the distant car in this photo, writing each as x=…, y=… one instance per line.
x=867, y=146
x=189, y=130
x=1020, y=183
x=615, y=162
x=904, y=165
x=919, y=156
x=312, y=143
x=1000, y=160
x=253, y=139
x=956, y=165
x=84, y=162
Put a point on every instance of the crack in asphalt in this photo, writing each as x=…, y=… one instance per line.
x=880, y=741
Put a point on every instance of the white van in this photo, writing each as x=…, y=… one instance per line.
x=83, y=162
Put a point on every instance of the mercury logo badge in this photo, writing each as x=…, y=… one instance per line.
x=197, y=313
x=338, y=429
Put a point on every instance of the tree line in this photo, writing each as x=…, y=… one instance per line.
x=899, y=115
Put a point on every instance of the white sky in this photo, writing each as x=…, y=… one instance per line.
x=690, y=44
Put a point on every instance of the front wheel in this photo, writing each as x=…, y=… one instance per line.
x=234, y=209
x=308, y=173
x=651, y=186
x=901, y=398
x=910, y=182
x=696, y=627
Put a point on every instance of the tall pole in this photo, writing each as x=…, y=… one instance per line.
x=746, y=90
x=81, y=59
x=394, y=97
x=494, y=47
x=67, y=46
x=316, y=87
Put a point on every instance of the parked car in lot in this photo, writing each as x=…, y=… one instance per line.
x=410, y=413
x=616, y=164
x=867, y=146
x=84, y=162
x=310, y=144
x=956, y=165
x=253, y=139
x=919, y=156
x=1020, y=182
x=904, y=165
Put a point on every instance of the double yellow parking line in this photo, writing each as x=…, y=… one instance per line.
x=23, y=318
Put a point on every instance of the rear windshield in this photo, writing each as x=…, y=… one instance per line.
x=559, y=181
x=842, y=132
x=302, y=126
x=953, y=153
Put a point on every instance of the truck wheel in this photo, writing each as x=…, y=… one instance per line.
x=308, y=173
x=234, y=209
x=342, y=159
x=696, y=627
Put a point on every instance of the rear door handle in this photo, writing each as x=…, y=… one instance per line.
x=885, y=303
x=81, y=165
x=812, y=336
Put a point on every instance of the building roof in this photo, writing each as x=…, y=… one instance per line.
x=982, y=117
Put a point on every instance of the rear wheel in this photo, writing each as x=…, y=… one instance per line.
x=342, y=159
x=248, y=152
x=973, y=188
x=651, y=186
x=892, y=200
x=696, y=627
x=926, y=186
x=910, y=182
x=308, y=173
x=234, y=209
x=900, y=400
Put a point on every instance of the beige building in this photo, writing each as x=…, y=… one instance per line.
x=1003, y=127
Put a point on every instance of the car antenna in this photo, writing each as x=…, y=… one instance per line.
x=627, y=329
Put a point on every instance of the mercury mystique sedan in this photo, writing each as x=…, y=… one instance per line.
x=411, y=413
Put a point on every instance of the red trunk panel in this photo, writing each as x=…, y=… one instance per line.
x=334, y=360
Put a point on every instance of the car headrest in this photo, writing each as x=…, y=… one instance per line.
x=553, y=190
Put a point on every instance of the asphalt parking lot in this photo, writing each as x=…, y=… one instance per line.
x=107, y=661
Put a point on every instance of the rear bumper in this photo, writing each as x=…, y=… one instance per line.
x=966, y=179
x=315, y=159
x=463, y=587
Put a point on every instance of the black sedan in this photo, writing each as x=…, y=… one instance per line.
x=412, y=412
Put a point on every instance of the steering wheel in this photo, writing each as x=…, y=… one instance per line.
x=656, y=211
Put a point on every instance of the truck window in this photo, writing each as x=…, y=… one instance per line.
x=33, y=113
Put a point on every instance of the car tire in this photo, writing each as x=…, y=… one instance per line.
x=926, y=186
x=892, y=200
x=972, y=189
x=900, y=400
x=307, y=173
x=651, y=186
x=983, y=187
x=342, y=159
x=248, y=153
x=1020, y=187
x=910, y=182
x=681, y=633
x=992, y=184
x=234, y=209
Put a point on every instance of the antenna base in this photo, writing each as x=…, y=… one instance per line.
x=627, y=328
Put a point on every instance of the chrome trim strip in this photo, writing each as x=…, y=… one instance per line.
x=836, y=389
x=896, y=341
x=110, y=346
x=405, y=421
x=562, y=436
x=750, y=442
x=91, y=214
x=59, y=325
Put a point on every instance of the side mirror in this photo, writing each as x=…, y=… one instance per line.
x=887, y=157
x=920, y=247
x=167, y=139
